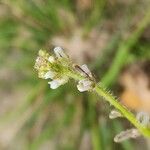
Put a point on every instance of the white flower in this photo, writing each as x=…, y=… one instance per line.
x=59, y=52
x=84, y=85
x=54, y=84
x=114, y=114
x=46, y=65
x=124, y=135
x=49, y=75
x=84, y=70
x=57, y=82
x=143, y=118
x=51, y=59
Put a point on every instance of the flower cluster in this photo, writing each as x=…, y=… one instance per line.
x=58, y=69
x=50, y=67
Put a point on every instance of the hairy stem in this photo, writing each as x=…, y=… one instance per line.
x=125, y=112
x=114, y=102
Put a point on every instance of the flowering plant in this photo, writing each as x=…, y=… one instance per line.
x=59, y=69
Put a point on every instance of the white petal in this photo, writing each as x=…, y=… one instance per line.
x=59, y=52
x=143, y=118
x=114, y=114
x=54, y=84
x=51, y=59
x=135, y=133
x=86, y=69
x=49, y=75
x=80, y=88
x=57, y=82
x=84, y=85
x=124, y=135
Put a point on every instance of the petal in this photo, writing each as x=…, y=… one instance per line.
x=80, y=88
x=49, y=75
x=124, y=135
x=143, y=118
x=86, y=69
x=54, y=84
x=114, y=114
x=84, y=85
x=57, y=82
x=87, y=83
x=59, y=52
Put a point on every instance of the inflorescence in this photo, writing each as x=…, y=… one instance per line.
x=59, y=68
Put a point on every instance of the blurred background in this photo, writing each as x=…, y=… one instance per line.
x=111, y=36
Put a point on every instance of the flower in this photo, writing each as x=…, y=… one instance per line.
x=87, y=83
x=124, y=135
x=57, y=82
x=143, y=118
x=114, y=114
x=86, y=70
x=49, y=75
x=84, y=85
x=60, y=53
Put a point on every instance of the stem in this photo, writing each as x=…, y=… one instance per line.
x=125, y=112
